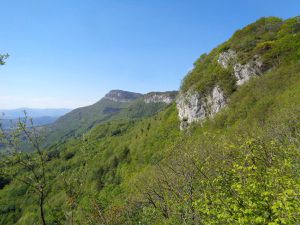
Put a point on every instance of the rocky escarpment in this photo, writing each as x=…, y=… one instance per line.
x=152, y=97
x=194, y=106
x=160, y=97
x=122, y=96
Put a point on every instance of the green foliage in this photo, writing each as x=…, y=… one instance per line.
x=255, y=181
x=3, y=58
x=4, y=181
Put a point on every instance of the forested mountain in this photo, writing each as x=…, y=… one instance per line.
x=116, y=105
x=225, y=152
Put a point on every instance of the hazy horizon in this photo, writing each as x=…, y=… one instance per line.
x=24, y=108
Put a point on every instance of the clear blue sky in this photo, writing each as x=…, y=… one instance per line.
x=69, y=53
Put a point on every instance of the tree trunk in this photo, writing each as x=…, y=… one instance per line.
x=42, y=198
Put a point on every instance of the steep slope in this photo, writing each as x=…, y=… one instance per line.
x=259, y=48
x=236, y=162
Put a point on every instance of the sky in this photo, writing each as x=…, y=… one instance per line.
x=70, y=53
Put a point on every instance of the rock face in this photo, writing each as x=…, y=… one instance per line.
x=122, y=96
x=193, y=106
x=152, y=97
x=226, y=58
x=160, y=97
x=242, y=72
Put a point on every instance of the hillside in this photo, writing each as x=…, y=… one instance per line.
x=115, y=105
x=225, y=152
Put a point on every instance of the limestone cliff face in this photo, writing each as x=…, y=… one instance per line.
x=193, y=106
x=160, y=97
x=122, y=96
x=152, y=97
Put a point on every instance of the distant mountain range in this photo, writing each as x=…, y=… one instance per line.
x=32, y=112
x=10, y=117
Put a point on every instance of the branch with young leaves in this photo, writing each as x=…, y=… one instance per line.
x=3, y=58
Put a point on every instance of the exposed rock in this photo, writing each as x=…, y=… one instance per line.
x=152, y=97
x=122, y=96
x=244, y=72
x=226, y=58
x=160, y=97
x=216, y=100
x=193, y=106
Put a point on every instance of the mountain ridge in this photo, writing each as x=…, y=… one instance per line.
x=122, y=96
x=115, y=105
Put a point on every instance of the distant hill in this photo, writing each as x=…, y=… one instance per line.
x=10, y=117
x=115, y=105
x=32, y=112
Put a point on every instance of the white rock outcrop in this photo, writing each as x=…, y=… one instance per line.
x=193, y=106
x=122, y=96
x=226, y=58
x=243, y=73
x=160, y=97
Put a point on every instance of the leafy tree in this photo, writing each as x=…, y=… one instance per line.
x=31, y=166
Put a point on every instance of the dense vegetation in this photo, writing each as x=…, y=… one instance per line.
x=240, y=167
